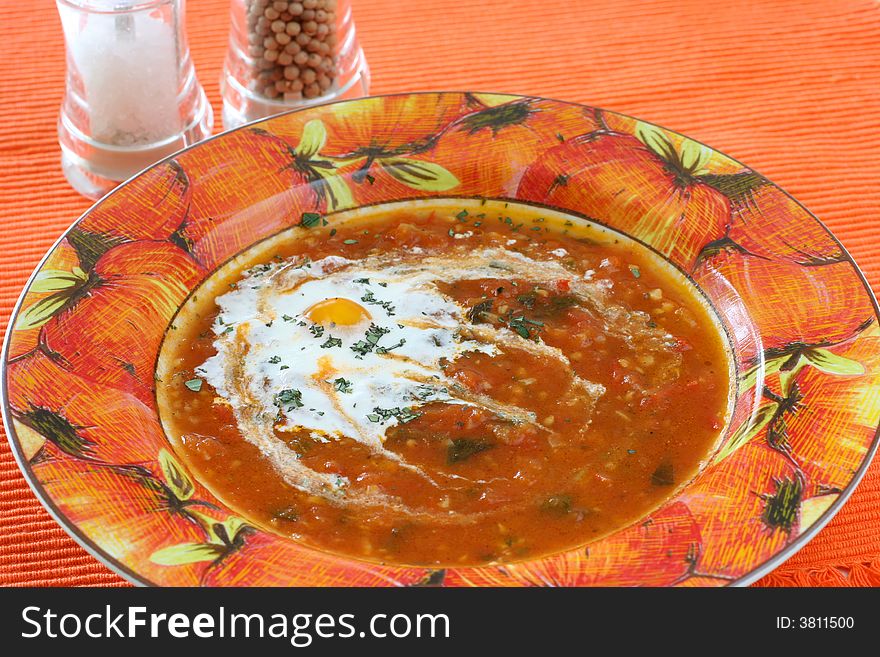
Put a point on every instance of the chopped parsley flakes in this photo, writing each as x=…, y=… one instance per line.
x=290, y=398
x=372, y=300
x=342, y=385
x=309, y=219
x=523, y=326
x=462, y=449
x=194, y=384
x=382, y=415
x=385, y=350
x=478, y=312
x=371, y=339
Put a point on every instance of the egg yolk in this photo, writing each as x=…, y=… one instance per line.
x=339, y=311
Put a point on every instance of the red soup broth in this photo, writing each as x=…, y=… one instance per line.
x=501, y=491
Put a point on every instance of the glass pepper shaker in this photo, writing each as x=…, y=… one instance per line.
x=290, y=54
x=132, y=96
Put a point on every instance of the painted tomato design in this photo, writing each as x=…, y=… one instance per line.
x=826, y=394
x=755, y=278
x=650, y=186
x=112, y=338
x=82, y=419
x=494, y=143
x=146, y=511
x=153, y=207
x=761, y=223
x=378, y=156
x=268, y=190
x=758, y=491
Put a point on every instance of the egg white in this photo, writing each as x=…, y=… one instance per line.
x=358, y=381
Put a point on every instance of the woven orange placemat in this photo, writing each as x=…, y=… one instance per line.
x=791, y=87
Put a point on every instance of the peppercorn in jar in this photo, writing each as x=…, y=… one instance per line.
x=286, y=54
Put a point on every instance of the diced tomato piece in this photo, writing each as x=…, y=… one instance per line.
x=681, y=345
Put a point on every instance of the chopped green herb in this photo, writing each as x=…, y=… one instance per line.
x=425, y=392
x=349, y=241
x=317, y=330
x=371, y=299
x=259, y=270
x=275, y=360
x=663, y=475
x=385, y=350
x=463, y=448
x=284, y=367
x=371, y=339
x=309, y=219
x=522, y=326
x=478, y=313
x=362, y=281
x=370, y=179
x=563, y=301
x=635, y=271
x=332, y=232
x=342, y=385
x=290, y=398
x=331, y=342
x=382, y=415
x=287, y=318
x=194, y=384
x=288, y=514
x=528, y=299
x=462, y=215
x=557, y=505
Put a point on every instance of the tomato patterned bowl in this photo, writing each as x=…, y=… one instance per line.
x=80, y=356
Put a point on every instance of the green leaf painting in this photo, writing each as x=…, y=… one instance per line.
x=419, y=174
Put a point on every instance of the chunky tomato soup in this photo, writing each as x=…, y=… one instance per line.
x=444, y=383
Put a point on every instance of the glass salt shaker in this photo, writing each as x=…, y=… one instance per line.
x=287, y=55
x=132, y=95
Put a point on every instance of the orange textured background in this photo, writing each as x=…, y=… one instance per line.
x=791, y=87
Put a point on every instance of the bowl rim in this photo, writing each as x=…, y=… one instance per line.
x=131, y=576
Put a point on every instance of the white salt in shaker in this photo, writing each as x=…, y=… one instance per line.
x=132, y=96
